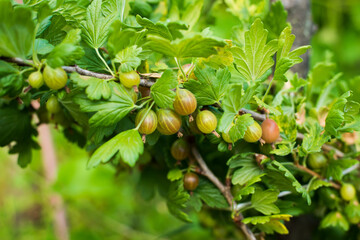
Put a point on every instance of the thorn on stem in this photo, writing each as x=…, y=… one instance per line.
x=180, y=134
x=136, y=89
x=191, y=118
x=28, y=88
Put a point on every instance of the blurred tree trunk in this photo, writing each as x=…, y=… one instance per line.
x=299, y=15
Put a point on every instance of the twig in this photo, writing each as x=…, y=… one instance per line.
x=286, y=193
x=145, y=82
x=315, y=174
x=224, y=190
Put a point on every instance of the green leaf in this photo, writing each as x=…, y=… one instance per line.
x=42, y=46
x=174, y=174
x=283, y=149
x=271, y=109
x=162, y=92
x=235, y=99
x=286, y=58
x=316, y=183
x=91, y=61
x=68, y=102
x=192, y=13
x=95, y=88
x=275, y=20
x=159, y=28
x=210, y=86
x=290, y=177
x=17, y=30
x=210, y=194
x=129, y=145
x=265, y=219
x=263, y=201
x=128, y=58
x=194, y=45
x=247, y=169
x=96, y=27
x=11, y=81
x=255, y=59
x=67, y=52
x=242, y=122
x=177, y=199
x=334, y=219
x=313, y=141
x=335, y=168
x=108, y=112
x=340, y=112
x=55, y=33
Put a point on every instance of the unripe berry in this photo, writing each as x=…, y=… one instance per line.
x=191, y=181
x=206, y=121
x=53, y=105
x=317, y=161
x=169, y=122
x=180, y=149
x=253, y=133
x=149, y=124
x=130, y=79
x=36, y=79
x=185, y=102
x=270, y=131
x=55, y=78
x=347, y=191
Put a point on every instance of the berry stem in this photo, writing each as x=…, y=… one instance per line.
x=179, y=66
x=216, y=134
x=103, y=60
x=145, y=115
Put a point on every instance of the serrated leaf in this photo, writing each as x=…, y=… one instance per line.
x=261, y=104
x=246, y=167
x=242, y=122
x=263, y=201
x=177, y=199
x=128, y=58
x=54, y=33
x=340, y=112
x=222, y=59
x=11, y=81
x=286, y=58
x=286, y=173
x=96, y=27
x=235, y=99
x=210, y=86
x=313, y=141
x=334, y=219
x=192, y=46
x=162, y=92
x=255, y=59
x=108, y=112
x=275, y=20
x=283, y=149
x=17, y=30
x=95, y=88
x=129, y=145
x=265, y=219
x=210, y=195
x=67, y=52
x=174, y=174
x=316, y=183
x=42, y=46
x=158, y=28
x=335, y=168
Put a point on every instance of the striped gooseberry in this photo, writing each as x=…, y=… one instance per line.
x=53, y=105
x=206, y=122
x=169, y=122
x=191, y=181
x=149, y=123
x=180, y=149
x=185, y=102
x=253, y=133
x=36, y=79
x=130, y=79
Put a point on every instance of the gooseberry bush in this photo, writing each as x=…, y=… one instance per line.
x=221, y=128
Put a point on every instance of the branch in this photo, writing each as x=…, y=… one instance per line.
x=224, y=190
x=286, y=193
x=145, y=82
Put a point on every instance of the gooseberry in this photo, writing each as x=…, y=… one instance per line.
x=317, y=161
x=347, y=191
x=130, y=79
x=149, y=123
x=55, y=78
x=53, y=105
x=206, y=122
x=180, y=149
x=270, y=131
x=185, y=102
x=36, y=79
x=169, y=122
x=191, y=181
x=253, y=133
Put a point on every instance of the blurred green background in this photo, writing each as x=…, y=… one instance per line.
x=101, y=204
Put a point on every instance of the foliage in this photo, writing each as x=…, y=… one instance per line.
x=233, y=78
